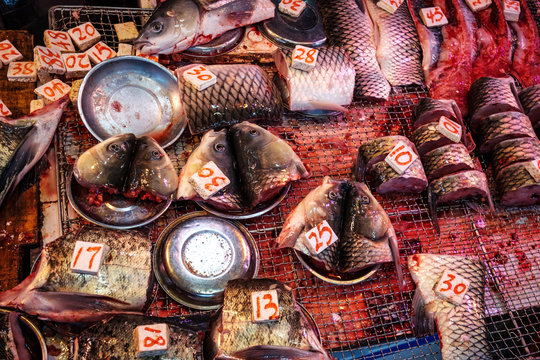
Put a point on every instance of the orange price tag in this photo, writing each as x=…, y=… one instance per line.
x=533, y=167
x=76, y=62
x=4, y=111
x=390, y=5
x=401, y=157
x=292, y=7
x=265, y=305
x=8, y=52
x=100, y=52
x=304, y=58
x=450, y=129
x=53, y=90
x=320, y=237
x=433, y=16
x=199, y=77
x=209, y=180
x=511, y=10
x=84, y=35
x=152, y=339
x=58, y=40
x=452, y=287
x=478, y=5
x=87, y=257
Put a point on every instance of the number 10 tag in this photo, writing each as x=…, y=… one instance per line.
x=401, y=157
x=452, y=287
x=265, y=305
x=320, y=237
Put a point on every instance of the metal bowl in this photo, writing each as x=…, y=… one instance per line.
x=35, y=343
x=117, y=211
x=197, y=254
x=219, y=46
x=131, y=94
x=337, y=279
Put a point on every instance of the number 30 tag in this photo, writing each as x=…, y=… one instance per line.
x=452, y=287
x=320, y=237
x=265, y=305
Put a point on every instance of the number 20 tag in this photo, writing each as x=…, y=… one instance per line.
x=320, y=237
x=452, y=287
x=265, y=305
x=401, y=157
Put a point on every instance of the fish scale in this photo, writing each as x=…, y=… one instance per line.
x=458, y=184
x=530, y=100
x=12, y=137
x=517, y=186
x=511, y=151
x=504, y=126
x=375, y=150
x=398, y=47
x=427, y=137
x=387, y=180
x=461, y=328
x=350, y=27
x=447, y=159
x=429, y=110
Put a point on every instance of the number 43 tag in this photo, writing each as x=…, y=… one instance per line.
x=320, y=237
x=452, y=287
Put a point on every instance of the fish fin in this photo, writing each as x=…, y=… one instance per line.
x=432, y=201
x=419, y=319
x=326, y=105
x=392, y=240
x=359, y=170
x=292, y=228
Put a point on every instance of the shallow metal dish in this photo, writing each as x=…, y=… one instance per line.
x=117, y=211
x=342, y=279
x=219, y=46
x=197, y=254
x=131, y=94
x=35, y=343
x=258, y=210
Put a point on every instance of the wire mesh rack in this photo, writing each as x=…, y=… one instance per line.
x=370, y=320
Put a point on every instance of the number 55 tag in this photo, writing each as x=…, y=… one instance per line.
x=452, y=287
x=320, y=237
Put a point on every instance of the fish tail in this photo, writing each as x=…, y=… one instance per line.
x=392, y=239
x=432, y=201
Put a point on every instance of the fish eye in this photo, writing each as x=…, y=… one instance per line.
x=156, y=155
x=253, y=132
x=332, y=195
x=113, y=147
x=364, y=199
x=156, y=26
x=219, y=147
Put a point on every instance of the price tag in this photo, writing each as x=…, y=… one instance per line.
x=126, y=31
x=24, y=71
x=452, y=287
x=265, y=305
x=151, y=339
x=77, y=64
x=84, y=35
x=478, y=5
x=320, y=237
x=304, y=58
x=4, y=110
x=199, y=77
x=512, y=9
x=8, y=52
x=450, y=129
x=401, y=157
x=152, y=57
x=533, y=167
x=124, y=49
x=58, y=40
x=48, y=61
x=100, y=52
x=292, y=7
x=390, y=5
x=88, y=257
x=209, y=180
x=36, y=105
x=433, y=16
x=53, y=90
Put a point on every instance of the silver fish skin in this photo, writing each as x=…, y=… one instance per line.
x=530, y=100
x=213, y=147
x=236, y=336
x=328, y=86
x=242, y=92
x=325, y=202
x=461, y=328
x=53, y=292
x=398, y=47
x=348, y=25
x=176, y=25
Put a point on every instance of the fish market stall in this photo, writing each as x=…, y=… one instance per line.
x=172, y=256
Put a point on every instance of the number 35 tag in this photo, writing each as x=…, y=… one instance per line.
x=452, y=287
x=320, y=237
x=265, y=305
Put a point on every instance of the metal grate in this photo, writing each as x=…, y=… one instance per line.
x=370, y=320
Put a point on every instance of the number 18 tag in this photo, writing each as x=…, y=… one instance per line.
x=452, y=287
x=265, y=305
x=401, y=157
x=320, y=237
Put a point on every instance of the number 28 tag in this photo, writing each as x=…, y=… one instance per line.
x=452, y=287
x=401, y=157
x=88, y=257
x=265, y=305
x=320, y=237
x=304, y=58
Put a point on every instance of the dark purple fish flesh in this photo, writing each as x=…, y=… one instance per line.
x=54, y=292
x=519, y=184
x=347, y=24
x=242, y=92
x=428, y=138
x=447, y=160
x=504, y=126
x=375, y=150
x=489, y=96
x=461, y=328
x=530, y=100
x=511, y=151
x=387, y=181
x=430, y=110
x=235, y=336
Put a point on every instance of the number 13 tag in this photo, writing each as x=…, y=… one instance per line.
x=452, y=287
x=265, y=305
x=320, y=237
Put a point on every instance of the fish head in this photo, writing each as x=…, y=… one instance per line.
x=325, y=202
x=105, y=164
x=372, y=221
x=172, y=28
x=214, y=147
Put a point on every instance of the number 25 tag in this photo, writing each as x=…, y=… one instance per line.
x=320, y=237
x=265, y=305
x=452, y=287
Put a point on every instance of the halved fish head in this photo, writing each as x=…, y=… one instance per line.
x=372, y=222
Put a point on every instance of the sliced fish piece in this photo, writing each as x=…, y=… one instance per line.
x=235, y=336
x=518, y=186
x=504, y=126
x=325, y=202
x=508, y=152
x=387, y=181
x=328, y=86
x=490, y=96
x=461, y=328
x=430, y=110
x=447, y=160
x=398, y=47
x=530, y=100
x=347, y=24
x=242, y=92
x=53, y=292
x=374, y=151
x=427, y=138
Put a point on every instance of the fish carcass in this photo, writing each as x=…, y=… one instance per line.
x=447, y=160
x=177, y=25
x=430, y=110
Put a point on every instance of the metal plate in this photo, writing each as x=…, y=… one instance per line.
x=258, y=210
x=131, y=94
x=35, y=343
x=285, y=30
x=117, y=211
x=219, y=46
x=198, y=253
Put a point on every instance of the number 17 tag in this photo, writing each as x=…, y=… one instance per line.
x=265, y=305
x=88, y=257
x=320, y=237
x=452, y=287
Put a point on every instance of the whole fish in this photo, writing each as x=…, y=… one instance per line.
x=347, y=24
x=213, y=147
x=176, y=25
x=519, y=185
x=374, y=151
x=325, y=202
x=490, y=96
x=54, y=292
x=461, y=328
x=328, y=86
x=387, y=181
x=151, y=173
x=427, y=138
x=530, y=100
x=242, y=92
x=12, y=341
x=24, y=141
x=508, y=152
x=430, y=110
x=504, y=126
x=398, y=47
x=114, y=339
x=447, y=160
x=265, y=162
x=291, y=336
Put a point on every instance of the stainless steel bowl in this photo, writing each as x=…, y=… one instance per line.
x=197, y=254
x=35, y=343
x=131, y=94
